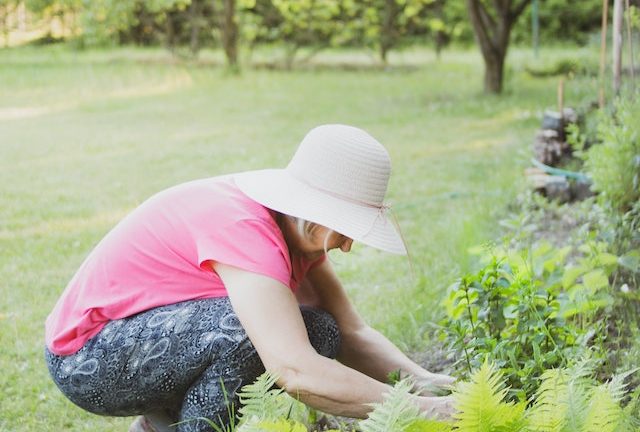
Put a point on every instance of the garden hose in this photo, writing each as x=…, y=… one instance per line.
x=561, y=172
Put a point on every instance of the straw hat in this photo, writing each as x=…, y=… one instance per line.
x=337, y=178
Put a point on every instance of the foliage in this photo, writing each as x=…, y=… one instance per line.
x=388, y=22
x=396, y=413
x=560, y=20
x=571, y=400
x=481, y=403
x=261, y=401
x=568, y=67
x=611, y=155
x=377, y=24
x=614, y=164
x=529, y=311
x=568, y=399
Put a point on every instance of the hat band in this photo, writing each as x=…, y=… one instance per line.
x=380, y=206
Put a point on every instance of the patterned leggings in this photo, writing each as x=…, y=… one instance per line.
x=173, y=359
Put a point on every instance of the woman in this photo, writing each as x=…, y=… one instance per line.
x=208, y=283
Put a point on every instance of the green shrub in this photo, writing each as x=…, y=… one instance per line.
x=614, y=164
x=568, y=67
x=527, y=312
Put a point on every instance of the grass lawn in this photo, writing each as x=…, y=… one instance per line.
x=85, y=137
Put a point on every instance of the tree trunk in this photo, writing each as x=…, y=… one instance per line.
x=169, y=32
x=492, y=31
x=388, y=28
x=441, y=41
x=493, y=74
x=229, y=29
x=194, y=19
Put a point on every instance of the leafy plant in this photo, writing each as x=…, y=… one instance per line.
x=529, y=311
x=280, y=425
x=568, y=399
x=571, y=400
x=614, y=163
x=481, y=404
x=261, y=401
x=395, y=414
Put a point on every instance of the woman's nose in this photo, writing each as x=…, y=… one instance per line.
x=346, y=245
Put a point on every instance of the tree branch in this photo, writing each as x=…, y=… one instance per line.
x=488, y=21
x=518, y=9
x=478, y=17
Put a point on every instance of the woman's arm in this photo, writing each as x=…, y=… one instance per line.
x=362, y=347
x=271, y=317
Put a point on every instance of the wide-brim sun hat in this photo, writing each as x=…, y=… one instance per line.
x=337, y=178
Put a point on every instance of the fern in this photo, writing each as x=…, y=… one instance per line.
x=561, y=401
x=570, y=400
x=632, y=412
x=481, y=407
x=260, y=401
x=424, y=425
x=395, y=414
x=281, y=425
x=605, y=413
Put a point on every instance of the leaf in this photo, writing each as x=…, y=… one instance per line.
x=561, y=400
x=536, y=352
x=395, y=414
x=571, y=274
x=424, y=425
x=480, y=402
x=606, y=259
x=595, y=280
x=280, y=425
x=260, y=401
x=604, y=413
x=630, y=261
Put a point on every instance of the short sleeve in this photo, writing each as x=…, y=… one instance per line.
x=249, y=244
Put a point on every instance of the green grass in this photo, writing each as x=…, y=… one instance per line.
x=85, y=137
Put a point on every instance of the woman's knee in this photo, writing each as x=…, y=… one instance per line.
x=323, y=330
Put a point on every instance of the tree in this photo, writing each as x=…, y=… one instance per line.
x=447, y=22
x=8, y=9
x=492, y=28
x=387, y=23
x=561, y=20
x=229, y=32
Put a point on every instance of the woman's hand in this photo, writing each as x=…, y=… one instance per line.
x=437, y=408
x=433, y=384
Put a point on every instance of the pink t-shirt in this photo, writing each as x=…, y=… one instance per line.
x=160, y=254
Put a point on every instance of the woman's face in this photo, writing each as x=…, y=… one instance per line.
x=335, y=241
x=312, y=246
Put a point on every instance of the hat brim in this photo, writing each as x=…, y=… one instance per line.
x=278, y=190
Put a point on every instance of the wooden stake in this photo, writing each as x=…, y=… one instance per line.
x=603, y=50
x=616, y=37
x=629, y=41
x=561, y=98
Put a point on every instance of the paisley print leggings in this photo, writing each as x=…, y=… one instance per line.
x=178, y=360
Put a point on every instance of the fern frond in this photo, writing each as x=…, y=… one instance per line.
x=395, y=414
x=281, y=425
x=632, y=412
x=480, y=403
x=260, y=401
x=604, y=413
x=561, y=401
x=425, y=425
x=516, y=419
